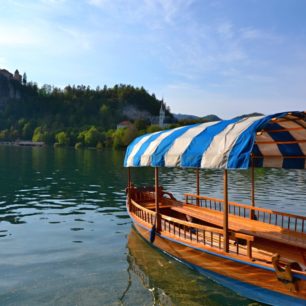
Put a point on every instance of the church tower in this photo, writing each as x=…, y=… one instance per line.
x=162, y=114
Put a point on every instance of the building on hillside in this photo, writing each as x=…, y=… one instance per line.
x=124, y=125
x=162, y=114
x=16, y=76
x=6, y=74
x=162, y=120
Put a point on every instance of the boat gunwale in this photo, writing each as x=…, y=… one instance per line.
x=210, y=273
x=201, y=197
x=182, y=222
x=216, y=251
x=219, y=253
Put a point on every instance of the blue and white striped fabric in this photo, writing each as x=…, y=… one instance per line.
x=277, y=140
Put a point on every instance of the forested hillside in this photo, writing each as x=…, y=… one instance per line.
x=75, y=114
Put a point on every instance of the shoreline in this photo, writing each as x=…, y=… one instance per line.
x=23, y=143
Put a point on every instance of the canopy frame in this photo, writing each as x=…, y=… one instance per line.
x=273, y=141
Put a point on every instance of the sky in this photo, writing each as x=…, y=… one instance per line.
x=202, y=57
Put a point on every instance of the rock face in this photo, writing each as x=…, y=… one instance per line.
x=9, y=89
x=134, y=113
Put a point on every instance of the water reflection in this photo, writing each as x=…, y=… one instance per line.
x=62, y=214
x=60, y=182
x=276, y=189
x=169, y=283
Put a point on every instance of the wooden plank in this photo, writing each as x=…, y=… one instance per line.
x=225, y=213
x=280, y=156
x=193, y=225
x=246, y=226
x=198, y=185
x=243, y=236
x=281, y=142
x=233, y=269
x=151, y=205
x=142, y=208
x=283, y=130
x=157, y=191
x=265, y=210
x=252, y=188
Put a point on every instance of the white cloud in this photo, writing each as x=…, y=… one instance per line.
x=189, y=42
x=78, y=37
x=167, y=9
x=152, y=13
x=251, y=33
x=12, y=35
x=3, y=62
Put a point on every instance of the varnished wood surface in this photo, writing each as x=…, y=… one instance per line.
x=244, y=225
x=242, y=206
x=262, y=249
x=212, y=242
x=249, y=274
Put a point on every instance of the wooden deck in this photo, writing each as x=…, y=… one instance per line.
x=211, y=237
x=244, y=225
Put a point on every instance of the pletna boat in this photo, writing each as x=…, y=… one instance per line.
x=259, y=253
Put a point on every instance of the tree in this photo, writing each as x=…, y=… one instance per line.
x=122, y=137
x=27, y=130
x=62, y=138
x=141, y=124
x=153, y=128
x=5, y=135
x=73, y=110
x=92, y=137
x=40, y=134
x=24, y=79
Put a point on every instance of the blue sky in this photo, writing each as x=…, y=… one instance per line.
x=223, y=57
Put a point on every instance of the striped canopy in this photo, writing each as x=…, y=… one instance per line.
x=277, y=141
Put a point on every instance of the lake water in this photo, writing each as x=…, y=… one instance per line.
x=66, y=239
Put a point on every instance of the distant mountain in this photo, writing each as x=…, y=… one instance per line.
x=180, y=117
x=185, y=117
x=250, y=115
x=211, y=118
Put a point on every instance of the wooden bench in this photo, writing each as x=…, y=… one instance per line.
x=151, y=205
x=248, y=238
x=244, y=225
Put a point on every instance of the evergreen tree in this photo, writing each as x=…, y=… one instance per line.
x=24, y=79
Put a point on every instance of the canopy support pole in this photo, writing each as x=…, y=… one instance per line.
x=225, y=214
x=198, y=186
x=129, y=187
x=157, y=216
x=252, y=188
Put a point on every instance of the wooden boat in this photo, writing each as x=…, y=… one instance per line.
x=167, y=283
x=257, y=252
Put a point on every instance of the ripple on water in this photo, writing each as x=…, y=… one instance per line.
x=62, y=215
x=76, y=229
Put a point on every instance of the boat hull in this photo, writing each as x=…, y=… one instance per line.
x=250, y=281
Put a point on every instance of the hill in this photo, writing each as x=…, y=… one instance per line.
x=185, y=117
x=211, y=118
x=250, y=115
x=180, y=117
x=40, y=113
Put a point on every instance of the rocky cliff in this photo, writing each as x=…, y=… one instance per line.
x=9, y=89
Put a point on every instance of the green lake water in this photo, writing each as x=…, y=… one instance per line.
x=66, y=238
